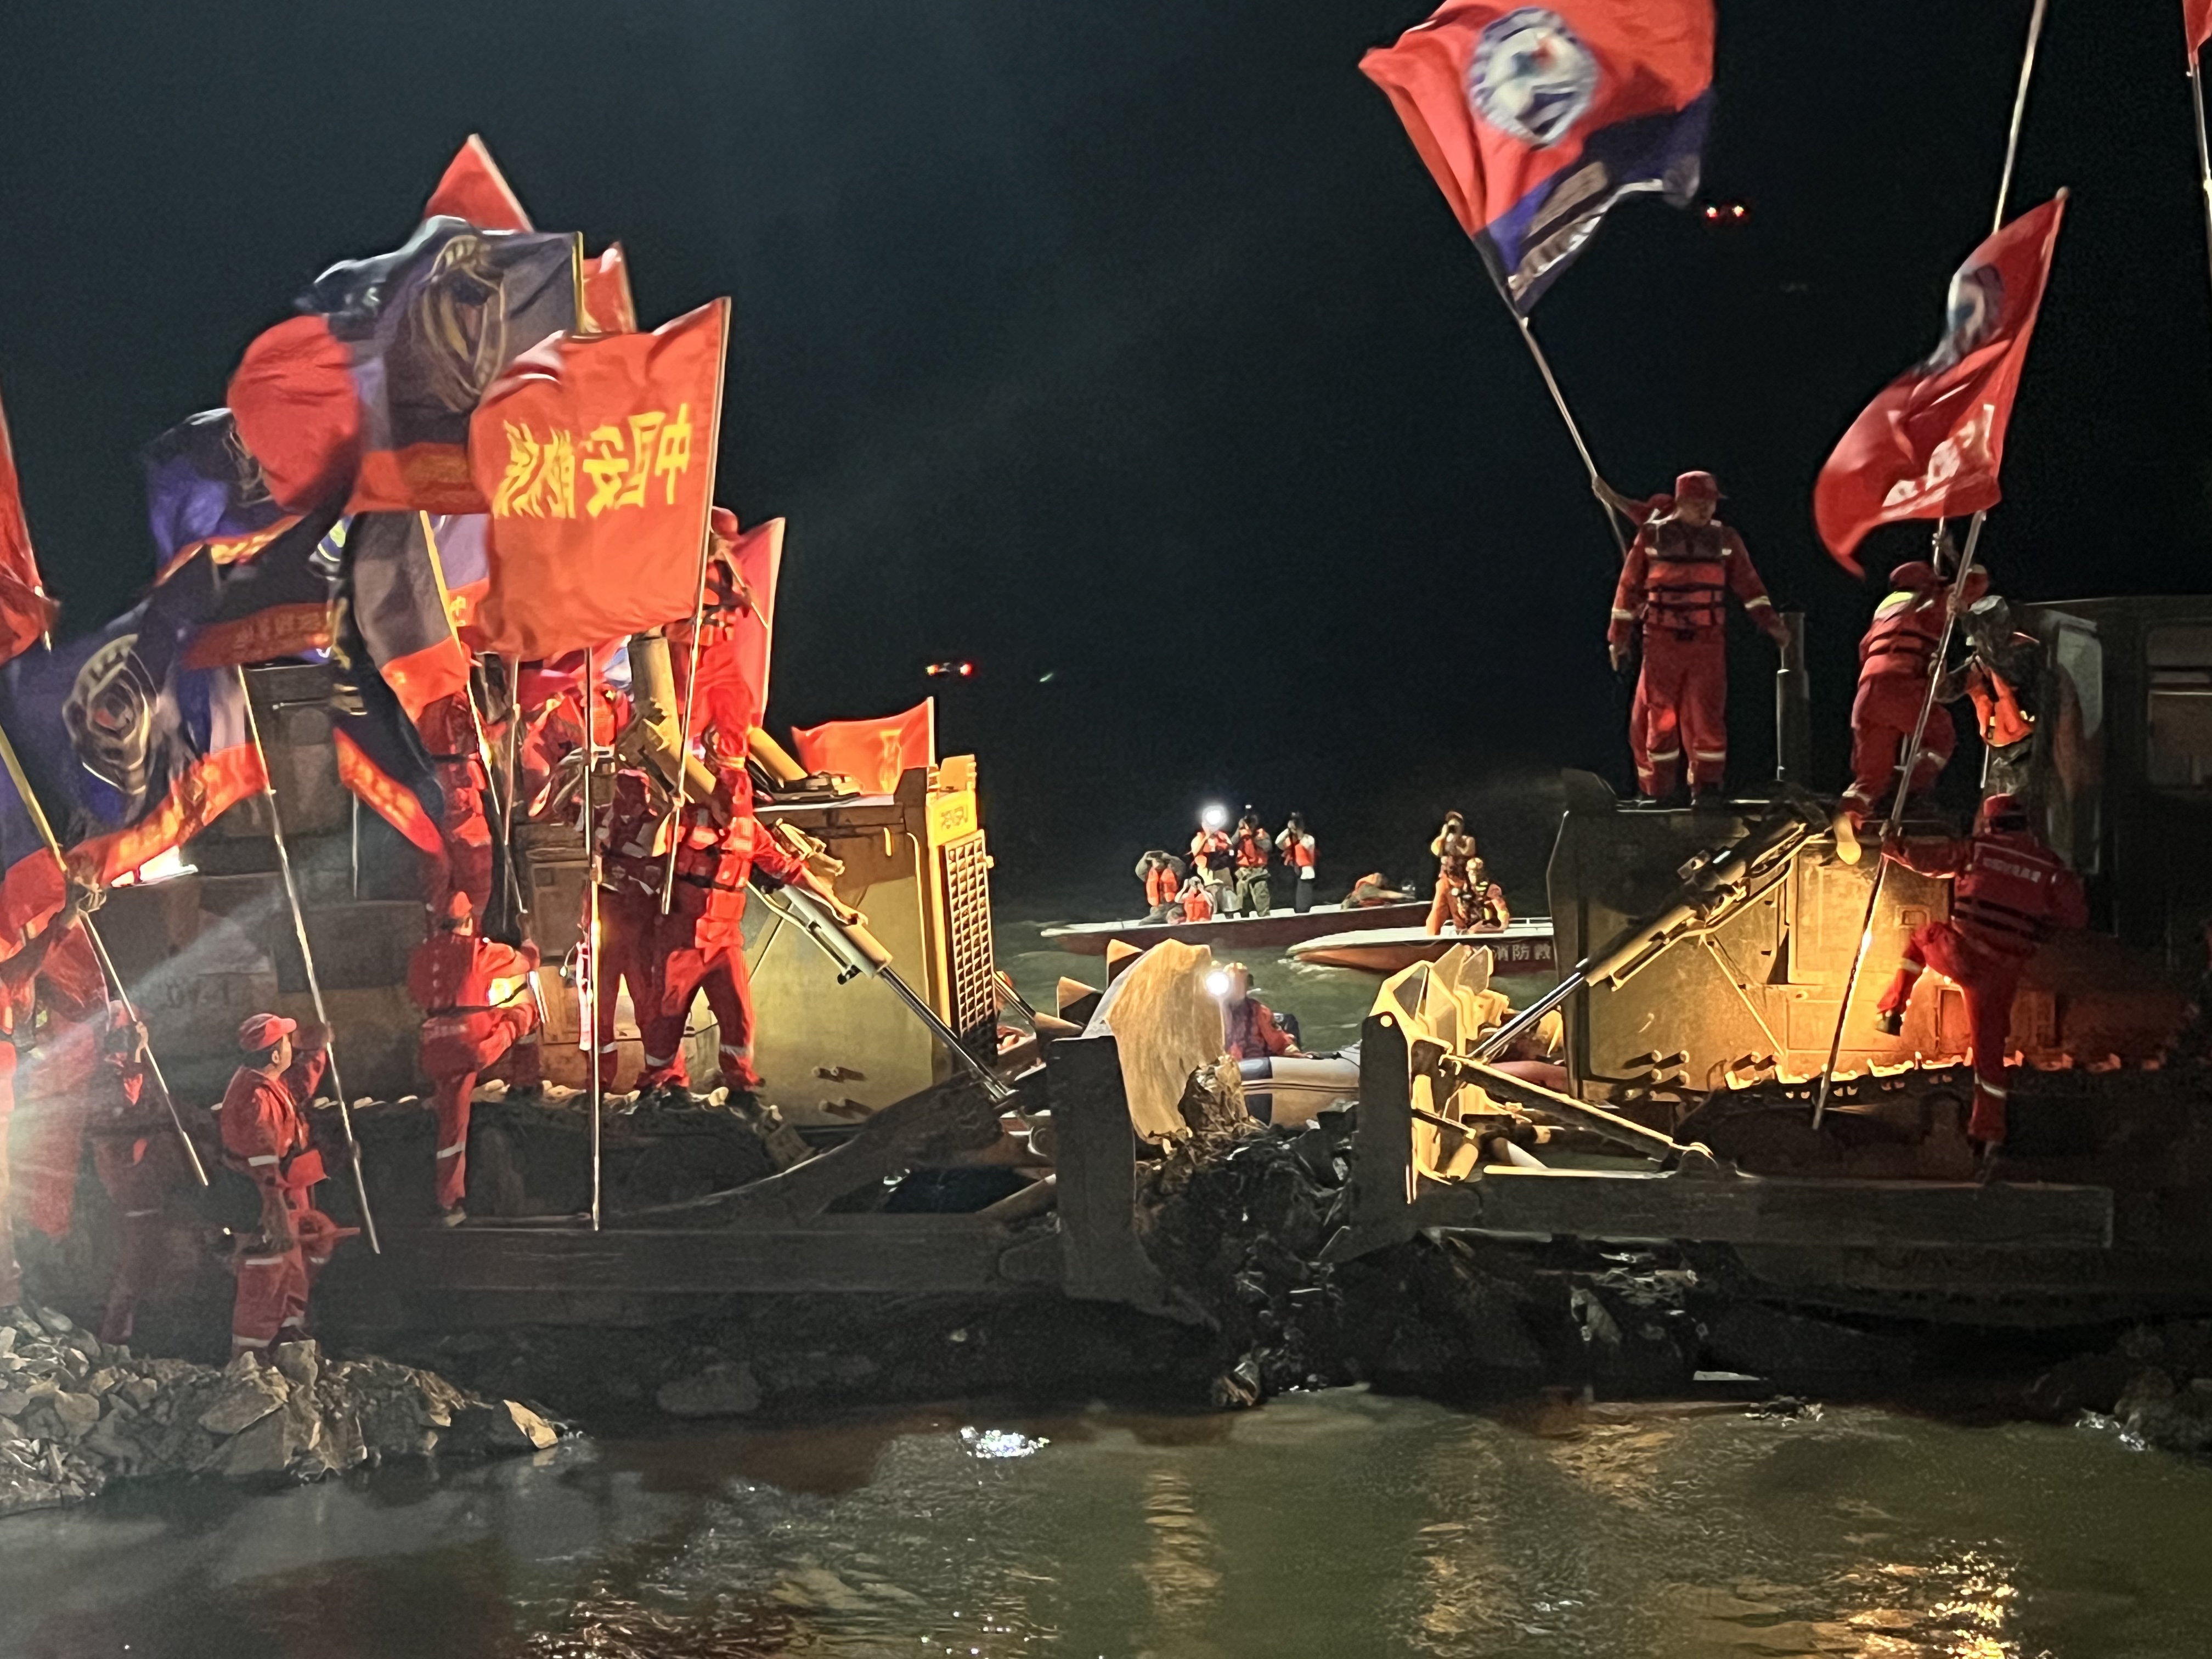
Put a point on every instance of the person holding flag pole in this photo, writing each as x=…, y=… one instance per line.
x=1931, y=444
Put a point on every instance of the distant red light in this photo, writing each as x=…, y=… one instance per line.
x=960, y=670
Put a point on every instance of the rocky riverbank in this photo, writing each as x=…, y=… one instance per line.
x=78, y=1414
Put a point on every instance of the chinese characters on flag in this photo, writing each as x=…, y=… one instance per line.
x=596, y=455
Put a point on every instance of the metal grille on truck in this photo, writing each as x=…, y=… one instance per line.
x=975, y=1000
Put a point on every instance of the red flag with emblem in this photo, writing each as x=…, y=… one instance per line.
x=25, y=611
x=874, y=754
x=474, y=189
x=597, y=454
x=1930, y=445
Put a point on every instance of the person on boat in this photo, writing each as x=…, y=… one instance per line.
x=1296, y=844
x=1445, y=849
x=265, y=1137
x=1894, y=658
x=1250, y=851
x=1674, y=591
x=1249, y=1028
x=1162, y=874
x=478, y=1010
x=2009, y=893
x=1209, y=857
x=1194, y=903
x=1372, y=889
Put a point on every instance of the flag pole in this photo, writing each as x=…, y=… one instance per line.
x=1559, y=401
x=38, y=812
x=307, y=958
x=698, y=610
x=468, y=695
x=2203, y=154
x=591, y=986
x=2019, y=110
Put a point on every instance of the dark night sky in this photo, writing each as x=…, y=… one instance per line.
x=1132, y=344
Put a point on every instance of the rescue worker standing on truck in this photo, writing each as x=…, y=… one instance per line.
x=1674, y=588
x=2009, y=893
x=264, y=1135
x=633, y=860
x=18, y=974
x=1894, y=661
x=477, y=1008
x=449, y=724
x=134, y=1152
x=1297, y=846
x=1251, y=850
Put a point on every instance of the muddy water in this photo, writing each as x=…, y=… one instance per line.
x=1340, y=1524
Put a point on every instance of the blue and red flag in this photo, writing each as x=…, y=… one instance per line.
x=31, y=883
x=205, y=489
x=276, y=603
x=398, y=606
x=1535, y=120
x=381, y=759
x=132, y=751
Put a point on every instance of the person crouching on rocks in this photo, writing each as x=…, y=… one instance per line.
x=264, y=1134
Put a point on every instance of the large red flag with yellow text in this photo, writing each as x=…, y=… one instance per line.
x=874, y=754
x=597, y=454
x=1930, y=445
x=25, y=613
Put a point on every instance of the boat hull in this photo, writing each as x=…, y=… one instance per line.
x=1274, y=931
x=1520, y=947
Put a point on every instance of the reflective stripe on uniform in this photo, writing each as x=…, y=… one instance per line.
x=259, y=1261
x=1707, y=754
x=454, y=1150
x=1663, y=754
x=263, y=1157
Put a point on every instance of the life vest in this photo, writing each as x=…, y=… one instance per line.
x=1161, y=885
x=633, y=838
x=1903, y=637
x=1196, y=906
x=1251, y=851
x=1297, y=851
x=2013, y=894
x=1685, y=583
x=1998, y=710
x=1207, y=847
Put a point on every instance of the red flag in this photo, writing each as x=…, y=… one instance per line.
x=597, y=454
x=475, y=189
x=874, y=754
x=1930, y=445
x=25, y=611
x=760, y=563
x=1535, y=120
x=292, y=398
x=608, y=308
x=2196, y=24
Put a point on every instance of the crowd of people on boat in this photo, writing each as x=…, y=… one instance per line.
x=1229, y=872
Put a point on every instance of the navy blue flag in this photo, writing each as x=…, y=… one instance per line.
x=428, y=328
x=205, y=489
x=131, y=751
x=275, y=604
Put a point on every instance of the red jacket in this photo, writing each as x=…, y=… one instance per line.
x=1252, y=849
x=1251, y=1031
x=2010, y=891
x=1677, y=580
x=264, y=1123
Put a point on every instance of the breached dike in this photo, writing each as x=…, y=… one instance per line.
x=77, y=1415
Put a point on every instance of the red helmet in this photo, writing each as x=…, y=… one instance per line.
x=1915, y=576
x=2003, y=810
x=1976, y=584
x=1696, y=486
x=260, y=1032
x=458, y=913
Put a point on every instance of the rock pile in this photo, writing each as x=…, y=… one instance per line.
x=2154, y=1385
x=77, y=1414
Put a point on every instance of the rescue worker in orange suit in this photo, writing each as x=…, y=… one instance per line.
x=699, y=943
x=724, y=702
x=478, y=1011
x=1193, y=904
x=1893, y=670
x=1162, y=874
x=2009, y=893
x=2002, y=679
x=1452, y=850
x=1297, y=846
x=1249, y=1027
x=633, y=860
x=264, y=1134
x=18, y=976
x=1209, y=860
x=1250, y=852
x=1674, y=588
x=135, y=1153
x=449, y=728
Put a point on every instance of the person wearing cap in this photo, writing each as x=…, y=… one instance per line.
x=1250, y=851
x=2009, y=893
x=1896, y=659
x=1297, y=845
x=478, y=1011
x=1673, y=591
x=264, y=1135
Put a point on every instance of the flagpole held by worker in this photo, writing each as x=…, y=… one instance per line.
x=2196, y=24
x=589, y=999
x=38, y=816
x=307, y=959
